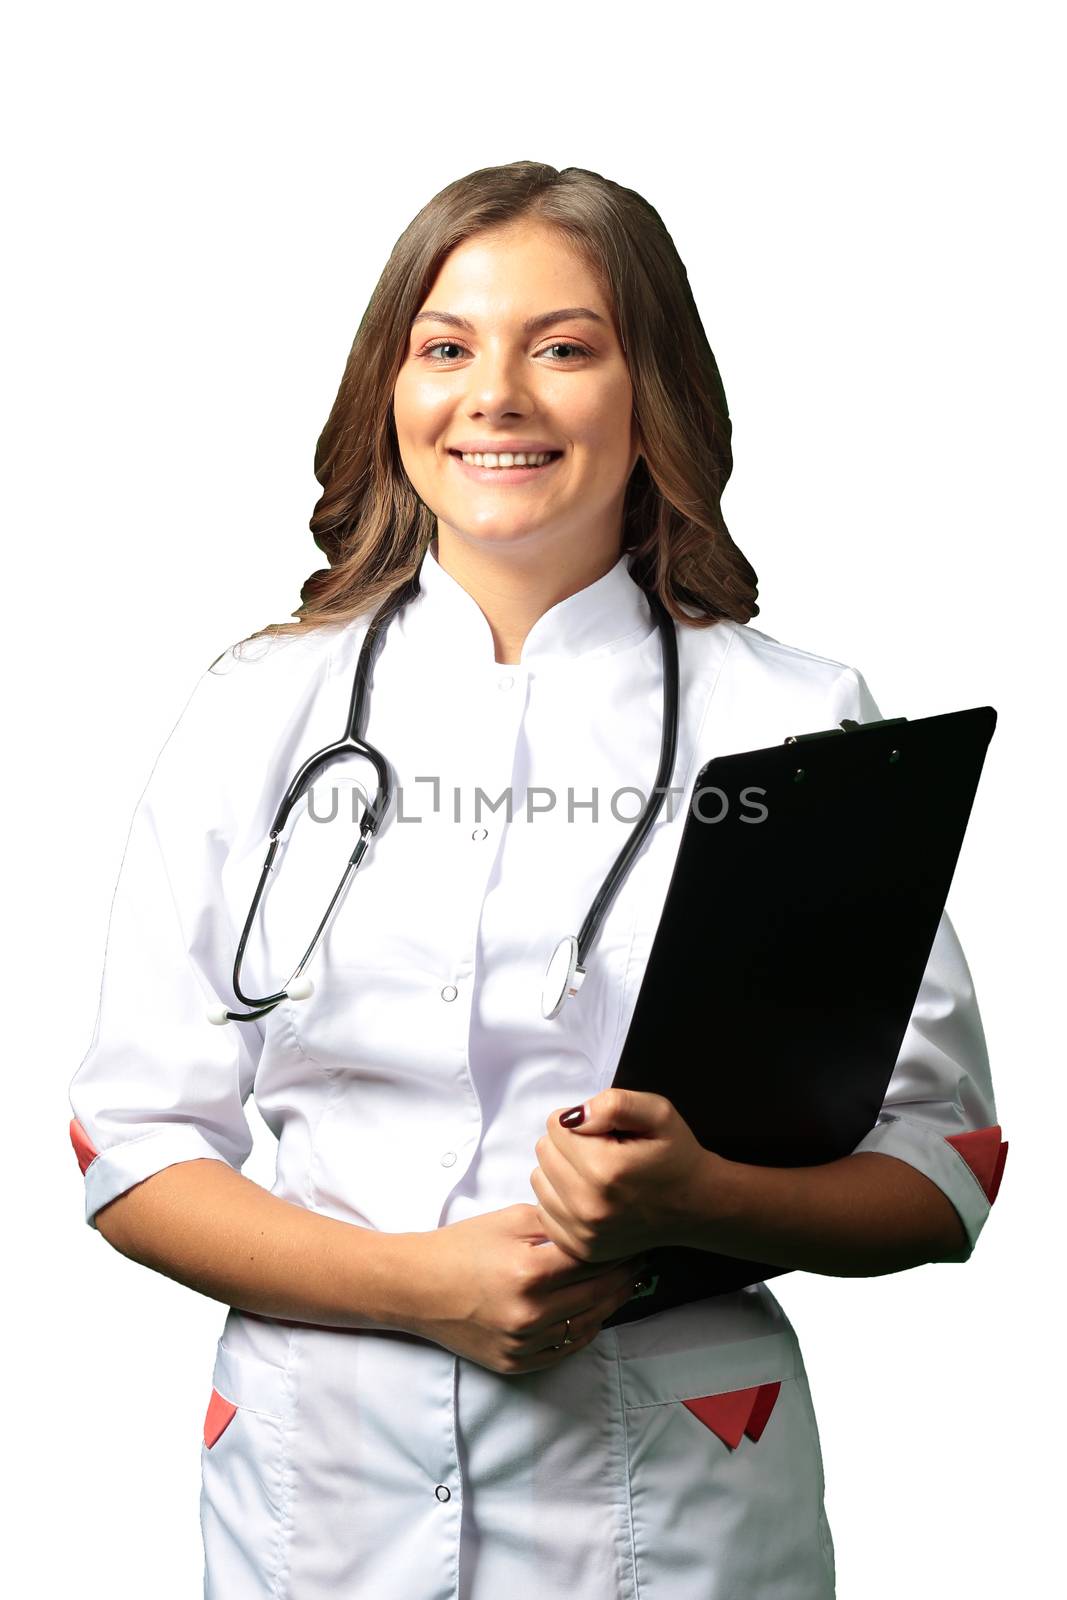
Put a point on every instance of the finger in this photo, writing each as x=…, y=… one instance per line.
x=584, y=1325
x=573, y=1272
x=557, y=1222
x=552, y=1354
x=583, y=1299
x=562, y=1266
x=574, y=1152
x=621, y=1296
x=568, y=1174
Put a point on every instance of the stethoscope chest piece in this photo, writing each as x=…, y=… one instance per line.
x=563, y=977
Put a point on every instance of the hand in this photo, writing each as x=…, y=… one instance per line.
x=493, y=1289
x=602, y=1196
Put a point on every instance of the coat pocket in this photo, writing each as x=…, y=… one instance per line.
x=722, y=1451
x=241, y=1383
x=245, y=1476
x=725, y=1359
x=736, y=1412
x=726, y=1494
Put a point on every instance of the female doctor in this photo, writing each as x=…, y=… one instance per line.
x=415, y=1393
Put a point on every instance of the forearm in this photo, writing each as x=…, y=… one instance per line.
x=861, y=1216
x=208, y=1227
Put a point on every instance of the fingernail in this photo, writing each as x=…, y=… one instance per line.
x=572, y=1118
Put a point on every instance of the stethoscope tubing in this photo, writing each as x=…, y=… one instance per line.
x=353, y=742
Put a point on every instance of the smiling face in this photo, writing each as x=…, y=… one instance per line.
x=514, y=346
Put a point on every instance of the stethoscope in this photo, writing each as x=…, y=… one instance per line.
x=566, y=968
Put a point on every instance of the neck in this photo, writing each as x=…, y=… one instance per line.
x=513, y=587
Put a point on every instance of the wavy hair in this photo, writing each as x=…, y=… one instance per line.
x=369, y=522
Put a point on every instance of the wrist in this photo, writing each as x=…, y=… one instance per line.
x=387, y=1278
x=712, y=1204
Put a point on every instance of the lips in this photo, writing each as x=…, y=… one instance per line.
x=503, y=477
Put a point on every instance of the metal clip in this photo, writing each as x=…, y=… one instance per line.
x=848, y=725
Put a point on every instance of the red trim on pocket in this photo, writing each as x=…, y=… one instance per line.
x=768, y=1394
x=83, y=1145
x=737, y=1412
x=984, y=1152
x=220, y=1413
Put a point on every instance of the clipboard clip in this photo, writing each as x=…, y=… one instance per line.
x=848, y=725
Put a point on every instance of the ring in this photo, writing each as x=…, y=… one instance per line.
x=566, y=1336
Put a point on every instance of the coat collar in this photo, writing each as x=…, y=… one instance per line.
x=606, y=616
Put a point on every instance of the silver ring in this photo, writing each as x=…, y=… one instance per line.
x=566, y=1336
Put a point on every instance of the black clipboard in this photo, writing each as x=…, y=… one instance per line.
x=797, y=925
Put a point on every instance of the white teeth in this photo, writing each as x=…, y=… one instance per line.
x=507, y=458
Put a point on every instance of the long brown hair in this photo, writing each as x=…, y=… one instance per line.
x=369, y=522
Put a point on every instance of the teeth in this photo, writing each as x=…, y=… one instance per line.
x=507, y=458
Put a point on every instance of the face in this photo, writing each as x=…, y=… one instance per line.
x=514, y=345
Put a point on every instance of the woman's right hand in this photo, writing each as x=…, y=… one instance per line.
x=493, y=1289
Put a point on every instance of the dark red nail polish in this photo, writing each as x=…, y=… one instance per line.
x=572, y=1118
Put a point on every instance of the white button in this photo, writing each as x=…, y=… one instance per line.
x=505, y=682
x=442, y=1493
x=449, y=992
x=449, y=1158
x=479, y=833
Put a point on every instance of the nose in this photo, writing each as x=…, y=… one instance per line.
x=498, y=383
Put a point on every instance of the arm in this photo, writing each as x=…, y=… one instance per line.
x=159, y=1127
x=208, y=1227
x=920, y=1185
x=863, y=1215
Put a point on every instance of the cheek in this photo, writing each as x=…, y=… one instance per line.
x=600, y=424
x=420, y=408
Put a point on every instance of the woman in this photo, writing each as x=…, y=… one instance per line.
x=415, y=1393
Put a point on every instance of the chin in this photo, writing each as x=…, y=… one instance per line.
x=492, y=533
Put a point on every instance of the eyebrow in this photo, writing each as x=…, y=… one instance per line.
x=531, y=325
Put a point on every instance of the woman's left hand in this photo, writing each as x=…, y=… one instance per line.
x=603, y=1198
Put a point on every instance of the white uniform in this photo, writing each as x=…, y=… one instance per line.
x=409, y=1091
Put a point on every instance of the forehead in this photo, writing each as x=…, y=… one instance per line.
x=515, y=269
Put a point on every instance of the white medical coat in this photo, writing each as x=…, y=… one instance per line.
x=674, y=1458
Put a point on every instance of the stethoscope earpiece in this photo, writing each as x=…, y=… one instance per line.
x=299, y=989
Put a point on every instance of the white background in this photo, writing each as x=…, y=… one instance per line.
x=199, y=201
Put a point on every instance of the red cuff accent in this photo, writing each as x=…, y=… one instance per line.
x=83, y=1145
x=220, y=1413
x=736, y=1413
x=985, y=1153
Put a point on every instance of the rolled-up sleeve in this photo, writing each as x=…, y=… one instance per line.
x=159, y=1083
x=939, y=1112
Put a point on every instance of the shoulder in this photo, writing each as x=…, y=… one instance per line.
x=263, y=674
x=756, y=664
x=273, y=657
x=254, y=685
x=751, y=646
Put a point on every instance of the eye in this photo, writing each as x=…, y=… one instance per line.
x=441, y=344
x=567, y=344
x=427, y=353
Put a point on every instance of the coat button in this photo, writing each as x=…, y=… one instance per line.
x=449, y=992
x=442, y=1493
x=505, y=682
x=449, y=1158
x=479, y=833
